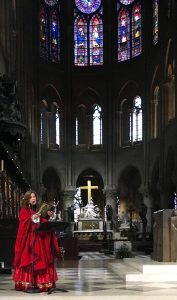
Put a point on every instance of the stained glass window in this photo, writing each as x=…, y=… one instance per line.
x=123, y=35
x=43, y=33
x=96, y=41
x=50, y=32
x=136, y=31
x=51, y=2
x=88, y=6
x=80, y=37
x=88, y=37
x=129, y=30
x=54, y=37
x=155, y=21
x=126, y=2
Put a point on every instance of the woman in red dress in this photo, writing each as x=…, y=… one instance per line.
x=33, y=260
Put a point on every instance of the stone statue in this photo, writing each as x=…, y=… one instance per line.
x=142, y=214
x=91, y=211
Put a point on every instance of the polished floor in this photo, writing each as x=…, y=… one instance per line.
x=91, y=278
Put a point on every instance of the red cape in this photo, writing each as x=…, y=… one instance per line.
x=32, y=247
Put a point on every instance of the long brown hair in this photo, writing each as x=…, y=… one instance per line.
x=27, y=197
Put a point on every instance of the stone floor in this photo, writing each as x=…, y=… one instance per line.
x=91, y=278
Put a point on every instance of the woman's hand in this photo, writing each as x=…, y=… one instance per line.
x=35, y=218
x=50, y=213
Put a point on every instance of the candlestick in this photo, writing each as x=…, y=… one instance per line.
x=2, y=165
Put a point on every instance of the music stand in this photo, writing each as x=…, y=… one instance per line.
x=53, y=226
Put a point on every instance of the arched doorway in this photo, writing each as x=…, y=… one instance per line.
x=90, y=188
x=130, y=197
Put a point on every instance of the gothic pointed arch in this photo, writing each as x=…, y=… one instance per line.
x=52, y=184
x=88, y=97
x=130, y=115
x=89, y=118
x=51, y=118
x=129, y=194
x=96, y=181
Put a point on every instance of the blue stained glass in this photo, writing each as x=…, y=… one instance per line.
x=126, y=2
x=123, y=35
x=136, y=31
x=80, y=37
x=96, y=41
x=43, y=33
x=51, y=2
x=54, y=39
x=88, y=6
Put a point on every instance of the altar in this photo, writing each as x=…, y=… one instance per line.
x=89, y=229
x=90, y=224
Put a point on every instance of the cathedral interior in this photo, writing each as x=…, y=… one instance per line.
x=88, y=110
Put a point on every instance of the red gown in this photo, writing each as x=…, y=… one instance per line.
x=45, y=247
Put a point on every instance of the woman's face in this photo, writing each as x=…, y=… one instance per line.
x=33, y=199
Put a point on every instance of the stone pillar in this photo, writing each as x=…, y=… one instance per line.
x=68, y=200
x=148, y=202
x=111, y=199
x=165, y=195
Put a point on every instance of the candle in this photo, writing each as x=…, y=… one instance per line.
x=2, y=165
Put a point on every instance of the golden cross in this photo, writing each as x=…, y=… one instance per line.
x=89, y=188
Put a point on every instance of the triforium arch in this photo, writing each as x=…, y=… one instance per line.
x=87, y=102
x=91, y=177
x=130, y=197
x=51, y=118
x=52, y=184
x=126, y=105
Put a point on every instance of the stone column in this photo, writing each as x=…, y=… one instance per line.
x=148, y=202
x=68, y=200
x=111, y=199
